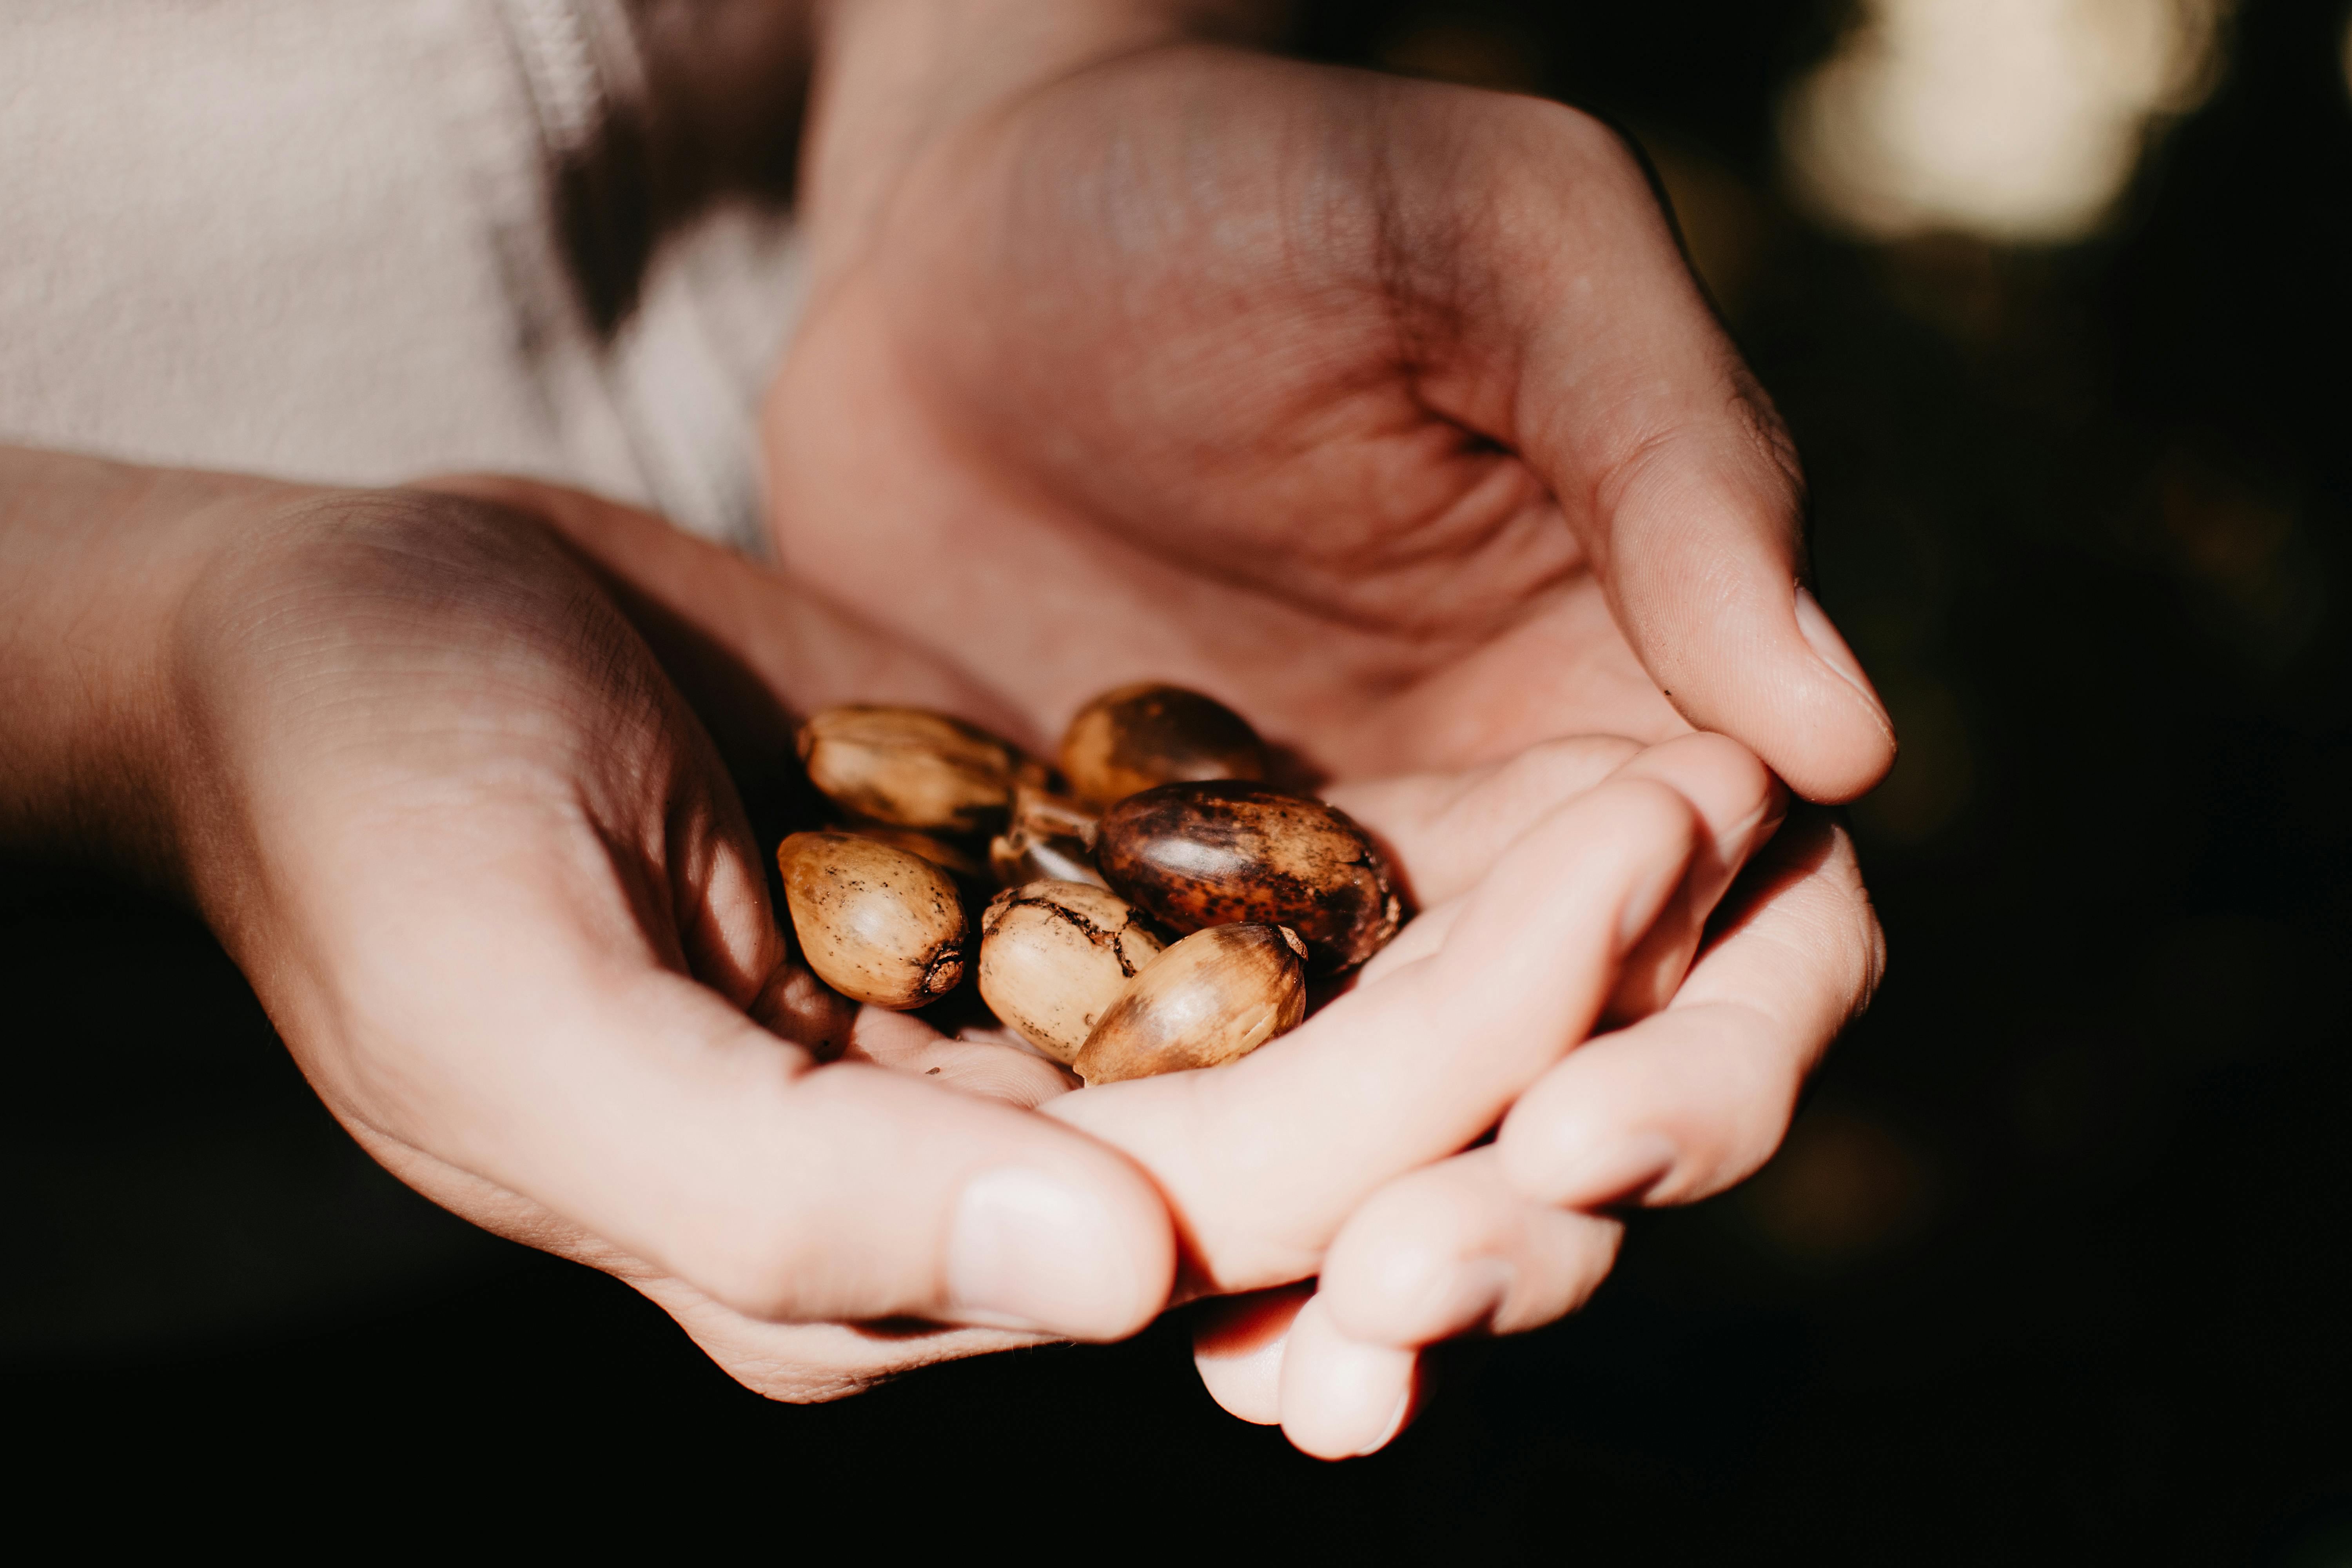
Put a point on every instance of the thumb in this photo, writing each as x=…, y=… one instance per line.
x=1611, y=376
x=1691, y=517
x=851, y=1192
x=646, y=1110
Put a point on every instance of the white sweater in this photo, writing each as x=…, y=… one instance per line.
x=317, y=239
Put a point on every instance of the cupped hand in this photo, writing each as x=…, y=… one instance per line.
x=1391, y=413
x=1387, y=410
x=1565, y=888
x=486, y=871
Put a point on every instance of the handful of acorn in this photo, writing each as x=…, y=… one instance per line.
x=1161, y=906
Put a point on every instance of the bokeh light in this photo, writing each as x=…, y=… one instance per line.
x=2018, y=121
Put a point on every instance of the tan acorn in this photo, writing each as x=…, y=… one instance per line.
x=876, y=922
x=1055, y=956
x=1218, y=851
x=952, y=859
x=909, y=767
x=1138, y=736
x=1213, y=997
x=1050, y=837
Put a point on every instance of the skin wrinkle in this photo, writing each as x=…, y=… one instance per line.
x=445, y=590
x=1428, y=539
x=1381, y=680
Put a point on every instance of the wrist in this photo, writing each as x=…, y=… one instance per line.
x=99, y=557
x=893, y=75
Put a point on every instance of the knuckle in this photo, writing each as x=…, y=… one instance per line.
x=1572, y=755
x=348, y=565
x=1596, y=148
x=773, y=1278
x=396, y=540
x=1649, y=810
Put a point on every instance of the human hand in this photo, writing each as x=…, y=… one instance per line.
x=1387, y=410
x=1560, y=886
x=483, y=868
x=1262, y=1166
x=1566, y=886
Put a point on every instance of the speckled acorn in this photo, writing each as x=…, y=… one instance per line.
x=1212, y=853
x=909, y=768
x=1213, y=997
x=1139, y=736
x=1053, y=956
x=875, y=922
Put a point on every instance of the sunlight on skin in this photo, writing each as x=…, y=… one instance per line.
x=1447, y=831
x=1201, y=459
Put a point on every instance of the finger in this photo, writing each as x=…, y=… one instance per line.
x=1740, y=805
x=832, y=1192
x=1454, y=1248
x=1696, y=1097
x=1000, y=1071
x=1591, y=352
x=727, y=931
x=643, y=1108
x=1262, y=1160
x=1446, y=830
x=798, y=1363
x=1341, y=1399
x=1237, y=1348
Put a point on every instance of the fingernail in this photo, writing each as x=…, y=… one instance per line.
x=1611, y=1171
x=1396, y=1426
x=1735, y=844
x=1643, y=905
x=1823, y=636
x=1031, y=1251
x=1341, y=1397
x=1356, y=1413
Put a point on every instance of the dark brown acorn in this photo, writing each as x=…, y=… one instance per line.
x=1222, y=850
x=1138, y=736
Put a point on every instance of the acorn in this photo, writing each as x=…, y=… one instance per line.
x=1051, y=838
x=909, y=768
x=1138, y=736
x=1213, y=997
x=1055, y=956
x=1212, y=853
x=952, y=859
x=876, y=922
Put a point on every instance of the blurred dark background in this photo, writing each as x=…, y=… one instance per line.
x=2057, y=1262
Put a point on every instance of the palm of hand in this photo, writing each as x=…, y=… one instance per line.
x=1145, y=401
